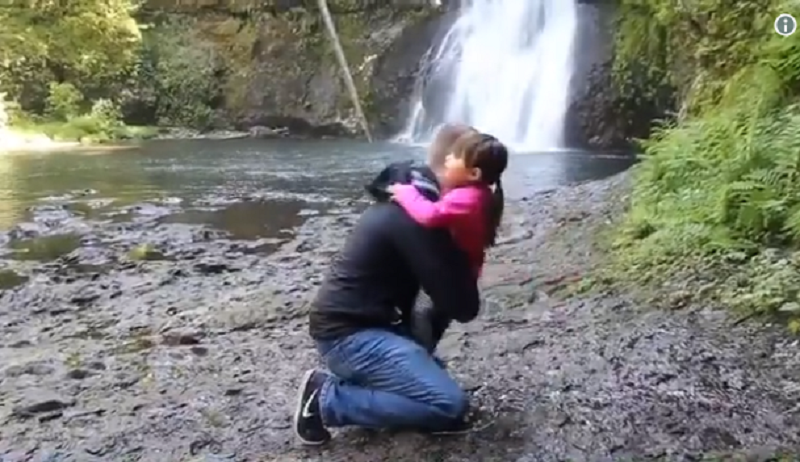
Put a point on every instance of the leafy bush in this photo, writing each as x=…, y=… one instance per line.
x=719, y=191
x=102, y=123
x=107, y=110
x=90, y=44
x=107, y=116
x=169, y=74
x=181, y=70
x=63, y=101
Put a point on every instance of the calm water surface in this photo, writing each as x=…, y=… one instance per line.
x=294, y=178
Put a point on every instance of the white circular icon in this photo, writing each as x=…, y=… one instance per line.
x=785, y=25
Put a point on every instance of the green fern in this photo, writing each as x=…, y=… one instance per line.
x=726, y=180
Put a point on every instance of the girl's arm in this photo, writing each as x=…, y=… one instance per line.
x=447, y=210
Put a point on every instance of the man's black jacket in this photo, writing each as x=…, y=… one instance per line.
x=385, y=262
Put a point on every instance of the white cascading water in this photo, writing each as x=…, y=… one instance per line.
x=507, y=66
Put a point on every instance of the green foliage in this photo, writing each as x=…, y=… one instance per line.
x=723, y=184
x=692, y=45
x=58, y=57
x=88, y=43
x=108, y=111
x=102, y=123
x=63, y=101
x=183, y=71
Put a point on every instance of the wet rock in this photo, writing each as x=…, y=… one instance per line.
x=84, y=192
x=36, y=368
x=90, y=255
x=25, y=231
x=16, y=456
x=99, y=203
x=78, y=374
x=151, y=210
x=47, y=455
x=233, y=391
x=190, y=134
x=43, y=405
x=602, y=118
x=261, y=132
x=181, y=337
x=85, y=296
x=213, y=267
x=214, y=458
x=127, y=379
x=96, y=366
x=718, y=438
x=135, y=345
x=199, y=351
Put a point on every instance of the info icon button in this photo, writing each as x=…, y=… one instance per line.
x=785, y=25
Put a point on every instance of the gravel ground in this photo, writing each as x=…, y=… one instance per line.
x=194, y=354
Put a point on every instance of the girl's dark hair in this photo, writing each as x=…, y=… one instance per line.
x=483, y=151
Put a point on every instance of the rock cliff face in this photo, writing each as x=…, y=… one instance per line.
x=600, y=114
x=281, y=69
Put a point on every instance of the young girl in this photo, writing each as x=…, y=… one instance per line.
x=472, y=204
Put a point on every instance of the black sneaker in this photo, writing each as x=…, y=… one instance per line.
x=308, y=424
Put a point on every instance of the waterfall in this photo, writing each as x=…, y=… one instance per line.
x=504, y=67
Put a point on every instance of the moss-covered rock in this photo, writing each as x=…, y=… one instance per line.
x=277, y=67
x=609, y=109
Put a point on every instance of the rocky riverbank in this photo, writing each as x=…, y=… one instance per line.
x=190, y=348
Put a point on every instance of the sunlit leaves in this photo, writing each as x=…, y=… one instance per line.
x=75, y=40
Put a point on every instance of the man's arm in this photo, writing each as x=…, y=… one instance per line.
x=443, y=212
x=442, y=269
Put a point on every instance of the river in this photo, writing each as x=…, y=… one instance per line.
x=248, y=188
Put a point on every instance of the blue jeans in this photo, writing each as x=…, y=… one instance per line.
x=384, y=380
